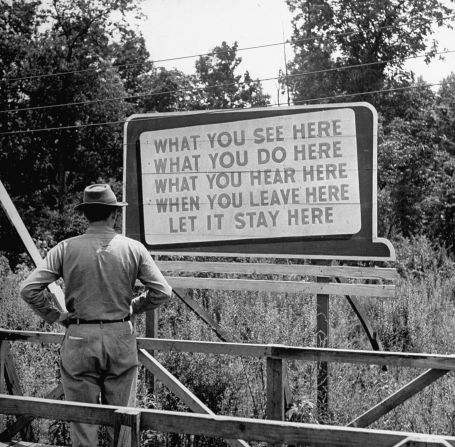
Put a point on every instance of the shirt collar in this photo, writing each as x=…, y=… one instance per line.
x=94, y=228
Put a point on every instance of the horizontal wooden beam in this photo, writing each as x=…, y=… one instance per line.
x=31, y=336
x=251, y=285
x=387, y=274
x=404, y=359
x=24, y=420
x=213, y=426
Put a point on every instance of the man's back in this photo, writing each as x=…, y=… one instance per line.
x=99, y=269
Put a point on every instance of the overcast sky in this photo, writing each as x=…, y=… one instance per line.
x=175, y=28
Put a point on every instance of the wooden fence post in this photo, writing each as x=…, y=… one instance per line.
x=151, y=331
x=322, y=341
x=127, y=427
x=2, y=366
x=275, y=389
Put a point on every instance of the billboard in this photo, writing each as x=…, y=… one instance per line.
x=281, y=182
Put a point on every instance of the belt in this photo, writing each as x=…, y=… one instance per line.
x=81, y=321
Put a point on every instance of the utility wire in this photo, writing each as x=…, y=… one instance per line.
x=287, y=41
x=183, y=91
x=110, y=123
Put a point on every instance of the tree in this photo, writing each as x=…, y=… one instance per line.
x=219, y=87
x=214, y=85
x=445, y=113
x=416, y=175
x=74, y=45
x=347, y=47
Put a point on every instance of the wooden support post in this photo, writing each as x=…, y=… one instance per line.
x=2, y=366
x=397, y=398
x=322, y=341
x=275, y=389
x=151, y=331
x=127, y=427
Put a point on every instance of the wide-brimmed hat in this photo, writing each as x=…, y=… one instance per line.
x=99, y=194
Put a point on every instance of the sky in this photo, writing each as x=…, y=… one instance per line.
x=176, y=28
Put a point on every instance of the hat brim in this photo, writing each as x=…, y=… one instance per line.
x=81, y=206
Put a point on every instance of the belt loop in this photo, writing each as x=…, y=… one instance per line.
x=77, y=321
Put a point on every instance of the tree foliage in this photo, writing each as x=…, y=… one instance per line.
x=346, y=47
x=346, y=51
x=67, y=66
x=219, y=86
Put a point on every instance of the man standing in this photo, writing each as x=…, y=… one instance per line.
x=99, y=269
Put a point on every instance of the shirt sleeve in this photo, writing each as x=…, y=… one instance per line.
x=33, y=289
x=158, y=289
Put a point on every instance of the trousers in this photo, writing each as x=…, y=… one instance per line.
x=98, y=365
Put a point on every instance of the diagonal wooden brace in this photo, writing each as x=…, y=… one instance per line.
x=177, y=387
x=403, y=394
x=23, y=421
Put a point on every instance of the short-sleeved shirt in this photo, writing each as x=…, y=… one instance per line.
x=99, y=269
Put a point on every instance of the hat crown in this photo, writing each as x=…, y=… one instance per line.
x=99, y=193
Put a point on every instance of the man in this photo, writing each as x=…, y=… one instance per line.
x=99, y=269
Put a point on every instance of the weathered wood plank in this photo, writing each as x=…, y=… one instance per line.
x=127, y=427
x=209, y=347
x=408, y=359
x=429, y=442
x=275, y=394
x=214, y=426
x=251, y=285
x=322, y=341
x=387, y=274
x=23, y=421
x=33, y=251
x=397, y=398
x=31, y=336
x=23, y=444
x=3, y=345
x=177, y=387
x=13, y=386
x=151, y=331
x=172, y=383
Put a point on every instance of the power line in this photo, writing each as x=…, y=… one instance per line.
x=287, y=41
x=371, y=92
x=146, y=95
x=110, y=123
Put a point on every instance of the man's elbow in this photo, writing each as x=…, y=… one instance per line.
x=159, y=297
x=24, y=292
x=166, y=294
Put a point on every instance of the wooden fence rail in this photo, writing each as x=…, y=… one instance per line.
x=435, y=365
x=213, y=426
x=403, y=359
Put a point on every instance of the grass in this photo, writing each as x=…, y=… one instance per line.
x=419, y=319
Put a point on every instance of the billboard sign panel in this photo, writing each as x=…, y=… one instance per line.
x=297, y=181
